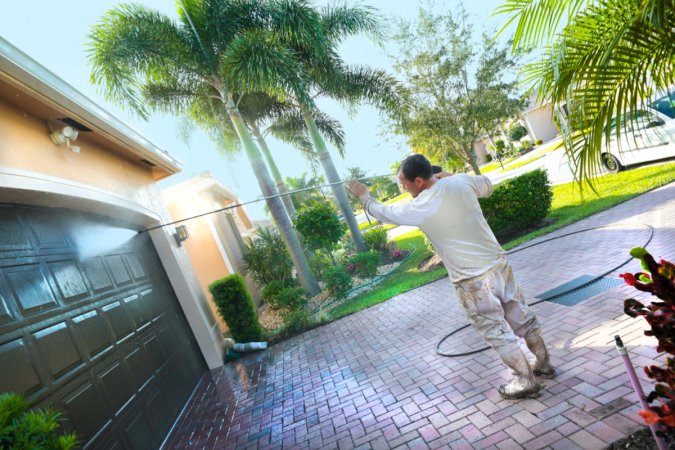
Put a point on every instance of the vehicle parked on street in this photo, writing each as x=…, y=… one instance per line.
x=648, y=135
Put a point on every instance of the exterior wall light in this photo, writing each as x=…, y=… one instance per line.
x=65, y=135
x=181, y=234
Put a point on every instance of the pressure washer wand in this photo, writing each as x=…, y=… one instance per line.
x=637, y=387
x=261, y=199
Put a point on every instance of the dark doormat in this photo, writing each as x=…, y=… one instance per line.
x=579, y=289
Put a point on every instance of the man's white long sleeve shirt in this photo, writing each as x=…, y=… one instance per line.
x=449, y=214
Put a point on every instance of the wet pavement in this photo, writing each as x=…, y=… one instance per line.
x=373, y=379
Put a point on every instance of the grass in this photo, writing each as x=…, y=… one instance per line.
x=569, y=206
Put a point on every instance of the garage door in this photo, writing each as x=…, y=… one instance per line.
x=89, y=323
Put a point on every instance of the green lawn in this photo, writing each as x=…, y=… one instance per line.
x=569, y=206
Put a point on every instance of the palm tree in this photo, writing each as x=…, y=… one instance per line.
x=608, y=60
x=326, y=74
x=218, y=49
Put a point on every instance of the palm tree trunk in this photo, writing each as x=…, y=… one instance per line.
x=274, y=203
x=281, y=186
x=334, y=180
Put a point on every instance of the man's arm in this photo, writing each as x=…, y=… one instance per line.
x=400, y=214
x=482, y=185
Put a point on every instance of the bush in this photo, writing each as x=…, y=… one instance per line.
x=518, y=204
x=23, y=429
x=538, y=142
x=659, y=280
x=338, y=282
x=517, y=132
x=365, y=264
x=236, y=308
x=319, y=226
x=266, y=258
x=376, y=239
x=488, y=158
x=279, y=296
x=525, y=143
x=295, y=321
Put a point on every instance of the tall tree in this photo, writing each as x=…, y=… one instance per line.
x=457, y=95
x=218, y=49
x=607, y=60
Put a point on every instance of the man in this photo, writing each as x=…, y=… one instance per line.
x=446, y=209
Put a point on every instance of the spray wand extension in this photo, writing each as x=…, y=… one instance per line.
x=259, y=200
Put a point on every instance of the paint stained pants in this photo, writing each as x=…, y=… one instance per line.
x=495, y=305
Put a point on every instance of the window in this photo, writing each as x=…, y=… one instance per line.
x=666, y=105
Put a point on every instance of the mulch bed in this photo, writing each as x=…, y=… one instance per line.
x=642, y=440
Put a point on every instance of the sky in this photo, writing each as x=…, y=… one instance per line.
x=55, y=34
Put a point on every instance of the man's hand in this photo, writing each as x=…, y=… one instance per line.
x=357, y=188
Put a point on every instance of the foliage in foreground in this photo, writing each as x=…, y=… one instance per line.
x=36, y=429
x=658, y=279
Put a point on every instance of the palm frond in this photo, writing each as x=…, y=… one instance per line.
x=537, y=21
x=131, y=43
x=341, y=21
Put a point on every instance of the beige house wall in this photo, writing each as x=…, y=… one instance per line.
x=540, y=124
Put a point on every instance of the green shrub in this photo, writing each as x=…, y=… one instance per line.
x=236, y=308
x=266, y=258
x=337, y=282
x=376, y=239
x=318, y=262
x=36, y=429
x=517, y=132
x=538, y=142
x=279, y=296
x=364, y=264
x=518, y=204
x=488, y=158
x=295, y=321
x=319, y=226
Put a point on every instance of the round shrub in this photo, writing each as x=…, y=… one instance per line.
x=376, y=239
x=538, y=142
x=236, y=308
x=286, y=297
x=365, y=263
x=319, y=226
x=338, y=282
x=518, y=204
x=517, y=132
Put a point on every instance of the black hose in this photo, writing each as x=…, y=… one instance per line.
x=560, y=294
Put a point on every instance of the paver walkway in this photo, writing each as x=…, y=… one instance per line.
x=373, y=380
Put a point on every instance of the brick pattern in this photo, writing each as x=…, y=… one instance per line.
x=373, y=381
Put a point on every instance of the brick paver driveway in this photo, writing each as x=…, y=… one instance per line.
x=373, y=380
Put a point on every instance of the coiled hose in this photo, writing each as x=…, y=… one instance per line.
x=593, y=280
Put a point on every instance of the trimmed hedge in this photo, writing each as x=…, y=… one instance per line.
x=236, y=308
x=518, y=204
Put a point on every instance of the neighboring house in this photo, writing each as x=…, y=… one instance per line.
x=99, y=318
x=214, y=245
x=538, y=119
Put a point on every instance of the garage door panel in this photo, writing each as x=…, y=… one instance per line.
x=30, y=288
x=13, y=235
x=117, y=387
x=93, y=333
x=137, y=362
x=57, y=349
x=5, y=312
x=97, y=275
x=118, y=270
x=156, y=407
x=69, y=280
x=137, y=271
x=85, y=409
x=23, y=376
x=139, y=433
x=49, y=230
x=134, y=304
x=119, y=321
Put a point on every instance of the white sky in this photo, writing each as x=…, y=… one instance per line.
x=55, y=34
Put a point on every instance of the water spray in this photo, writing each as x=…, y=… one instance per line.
x=261, y=199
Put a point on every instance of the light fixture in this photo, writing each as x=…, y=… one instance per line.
x=64, y=136
x=181, y=234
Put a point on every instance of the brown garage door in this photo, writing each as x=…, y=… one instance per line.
x=94, y=330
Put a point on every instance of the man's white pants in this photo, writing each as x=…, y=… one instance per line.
x=495, y=305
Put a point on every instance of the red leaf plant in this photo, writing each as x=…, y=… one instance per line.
x=659, y=280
